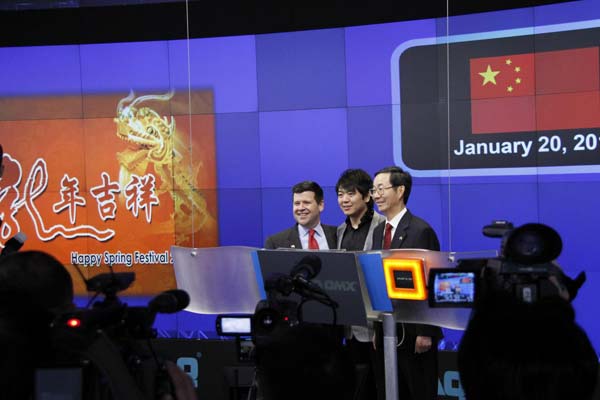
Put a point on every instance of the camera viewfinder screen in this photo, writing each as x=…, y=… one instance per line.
x=454, y=289
x=239, y=325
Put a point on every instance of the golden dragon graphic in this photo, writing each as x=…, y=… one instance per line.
x=154, y=142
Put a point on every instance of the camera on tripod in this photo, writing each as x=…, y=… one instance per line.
x=526, y=268
x=286, y=296
x=105, y=350
x=116, y=317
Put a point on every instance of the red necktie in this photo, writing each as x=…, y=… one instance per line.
x=387, y=237
x=312, y=242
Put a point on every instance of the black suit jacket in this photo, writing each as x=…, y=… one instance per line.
x=412, y=233
x=290, y=238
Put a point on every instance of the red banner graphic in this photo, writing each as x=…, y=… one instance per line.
x=117, y=188
x=542, y=91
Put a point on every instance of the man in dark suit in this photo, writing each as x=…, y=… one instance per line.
x=308, y=233
x=417, y=348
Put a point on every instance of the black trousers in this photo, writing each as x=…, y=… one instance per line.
x=417, y=373
x=360, y=354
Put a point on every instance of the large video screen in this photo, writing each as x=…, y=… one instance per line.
x=515, y=100
x=116, y=151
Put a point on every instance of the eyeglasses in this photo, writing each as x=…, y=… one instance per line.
x=380, y=190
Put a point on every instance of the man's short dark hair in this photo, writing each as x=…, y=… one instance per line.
x=309, y=186
x=34, y=287
x=40, y=276
x=398, y=177
x=516, y=350
x=356, y=179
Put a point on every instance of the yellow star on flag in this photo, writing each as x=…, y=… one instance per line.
x=489, y=75
x=509, y=89
x=508, y=61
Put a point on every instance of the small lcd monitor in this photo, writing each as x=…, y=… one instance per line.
x=450, y=287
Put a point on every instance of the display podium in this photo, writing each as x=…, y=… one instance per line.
x=386, y=285
x=339, y=278
x=219, y=280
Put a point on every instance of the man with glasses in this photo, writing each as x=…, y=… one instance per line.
x=417, y=347
x=308, y=233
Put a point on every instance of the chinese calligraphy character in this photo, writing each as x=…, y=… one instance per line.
x=69, y=189
x=105, y=197
x=10, y=200
x=139, y=194
x=35, y=185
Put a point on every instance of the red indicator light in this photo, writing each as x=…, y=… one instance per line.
x=73, y=322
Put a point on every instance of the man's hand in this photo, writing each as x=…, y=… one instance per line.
x=422, y=344
x=184, y=387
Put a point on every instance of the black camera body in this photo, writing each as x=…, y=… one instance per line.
x=525, y=269
x=282, y=309
x=106, y=350
x=271, y=317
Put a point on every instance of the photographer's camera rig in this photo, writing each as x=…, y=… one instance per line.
x=286, y=296
x=110, y=341
x=279, y=310
x=526, y=269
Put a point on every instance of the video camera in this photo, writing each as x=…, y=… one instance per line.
x=280, y=310
x=526, y=269
x=111, y=315
x=278, y=319
x=105, y=350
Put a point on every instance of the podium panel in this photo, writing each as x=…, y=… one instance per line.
x=227, y=280
x=338, y=278
x=219, y=280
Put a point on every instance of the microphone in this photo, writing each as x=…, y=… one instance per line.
x=13, y=244
x=169, y=302
x=307, y=268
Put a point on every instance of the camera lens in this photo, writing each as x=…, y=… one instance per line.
x=266, y=320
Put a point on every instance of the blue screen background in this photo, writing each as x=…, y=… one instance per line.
x=307, y=105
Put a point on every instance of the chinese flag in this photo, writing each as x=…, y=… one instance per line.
x=536, y=91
